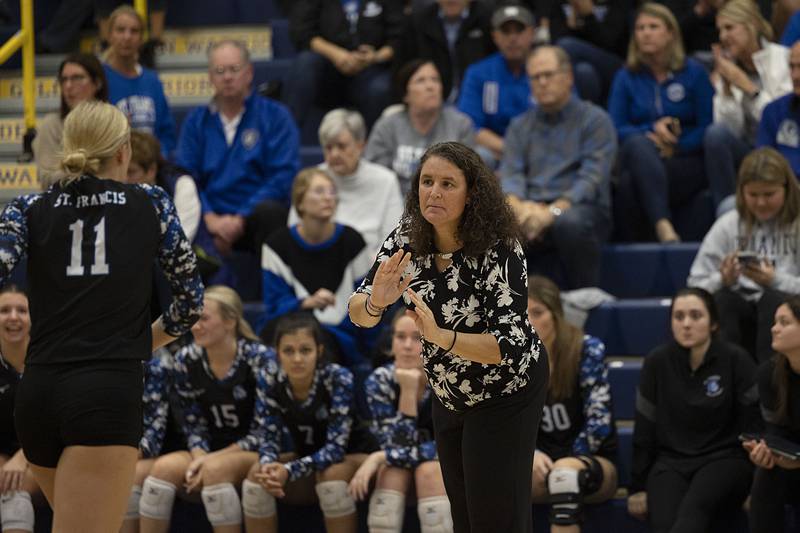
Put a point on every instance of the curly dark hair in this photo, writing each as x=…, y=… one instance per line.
x=487, y=218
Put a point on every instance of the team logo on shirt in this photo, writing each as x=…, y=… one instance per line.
x=491, y=95
x=788, y=134
x=239, y=393
x=676, y=92
x=322, y=413
x=713, y=386
x=249, y=138
x=372, y=9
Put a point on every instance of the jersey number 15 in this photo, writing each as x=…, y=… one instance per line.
x=99, y=266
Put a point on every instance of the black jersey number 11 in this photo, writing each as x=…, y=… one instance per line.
x=99, y=266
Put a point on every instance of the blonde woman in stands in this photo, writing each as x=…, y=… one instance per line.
x=577, y=444
x=399, y=399
x=215, y=378
x=136, y=90
x=80, y=77
x=749, y=72
x=696, y=396
x=777, y=478
x=750, y=259
x=91, y=241
x=16, y=480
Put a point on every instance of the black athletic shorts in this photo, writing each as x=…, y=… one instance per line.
x=83, y=404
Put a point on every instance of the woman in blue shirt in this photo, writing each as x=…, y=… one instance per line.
x=661, y=104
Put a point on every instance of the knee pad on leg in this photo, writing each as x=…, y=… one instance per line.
x=256, y=502
x=157, y=499
x=16, y=511
x=566, y=500
x=434, y=515
x=132, y=513
x=334, y=500
x=222, y=504
x=386, y=508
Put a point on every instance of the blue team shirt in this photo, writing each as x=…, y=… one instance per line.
x=260, y=164
x=637, y=101
x=780, y=129
x=492, y=95
x=143, y=101
x=792, y=32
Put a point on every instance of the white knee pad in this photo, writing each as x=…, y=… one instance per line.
x=157, y=499
x=132, y=513
x=257, y=502
x=434, y=515
x=386, y=509
x=222, y=504
x=334, y=500
x=16, y=511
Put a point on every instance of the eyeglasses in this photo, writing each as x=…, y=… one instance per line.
x=75, y=78
x=546, y=76
x=402, y=337
x=221, y=70
x=322, y=191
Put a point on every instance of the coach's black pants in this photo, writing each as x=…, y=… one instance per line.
x=486, y=455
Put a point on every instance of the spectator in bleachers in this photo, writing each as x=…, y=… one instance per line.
x=399, y=399
x=243, y=152
x=453, y=34
x=780, y=121
x=369, y=194
x=577, y=444
x=595, y=35
x=346, y=48
x=496, y=89
x=697, y=20
x=315, y=265
x=661, y=106
x=310, y=433
x=148, y=166
x=17, y=483
x=777, y=478
x=80, y=77
x=161, y=433
x=399, y=138
x=749, y=72
x=215, y=379
x=696, y=395
x=556, y=168
x=750, y=259
x=791, y=34
x=156, y=15
x=136, y=90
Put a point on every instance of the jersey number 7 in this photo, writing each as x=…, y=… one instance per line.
x=99, y=266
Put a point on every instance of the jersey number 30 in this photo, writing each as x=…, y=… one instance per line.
x=99, y=266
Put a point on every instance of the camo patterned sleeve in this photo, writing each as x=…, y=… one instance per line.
x=14, y=233
x=179, y=264
x=396, y=432
x=339, y=382
x=596, y=394
x=155, y=407
x=267, y=416
x=260, y=358
x=193, y=424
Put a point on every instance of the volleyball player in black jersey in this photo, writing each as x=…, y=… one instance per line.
x=310, y=403
x=91, y=240
x=16, y=480
x=215, y=378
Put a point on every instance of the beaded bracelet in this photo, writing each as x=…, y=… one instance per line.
x=369, y=305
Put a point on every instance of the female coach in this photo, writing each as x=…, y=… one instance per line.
x=456, y=261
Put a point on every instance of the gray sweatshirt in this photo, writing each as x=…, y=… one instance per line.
x=777, y=244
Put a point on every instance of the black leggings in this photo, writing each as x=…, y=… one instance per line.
x=772, y=489
x=686, y=496
x=486, y=455
x=749, y=324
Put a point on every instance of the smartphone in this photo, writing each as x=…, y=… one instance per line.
x=749, y=436
x=748, y=258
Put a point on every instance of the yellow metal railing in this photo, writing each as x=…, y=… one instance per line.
x=24, y=39
x=141, y=7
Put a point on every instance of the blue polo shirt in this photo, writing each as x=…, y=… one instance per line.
x=492, y=95
x=780, y=129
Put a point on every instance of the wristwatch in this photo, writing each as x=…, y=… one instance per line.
x=555, y=210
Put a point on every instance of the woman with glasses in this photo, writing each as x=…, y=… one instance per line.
x=314, y=265
x=80, y=78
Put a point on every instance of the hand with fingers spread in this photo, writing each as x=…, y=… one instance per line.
x=390, y=279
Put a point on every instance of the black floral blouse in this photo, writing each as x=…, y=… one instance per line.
x=482, y=294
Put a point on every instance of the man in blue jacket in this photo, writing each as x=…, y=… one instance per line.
x=780, y=120
x=243, y=151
